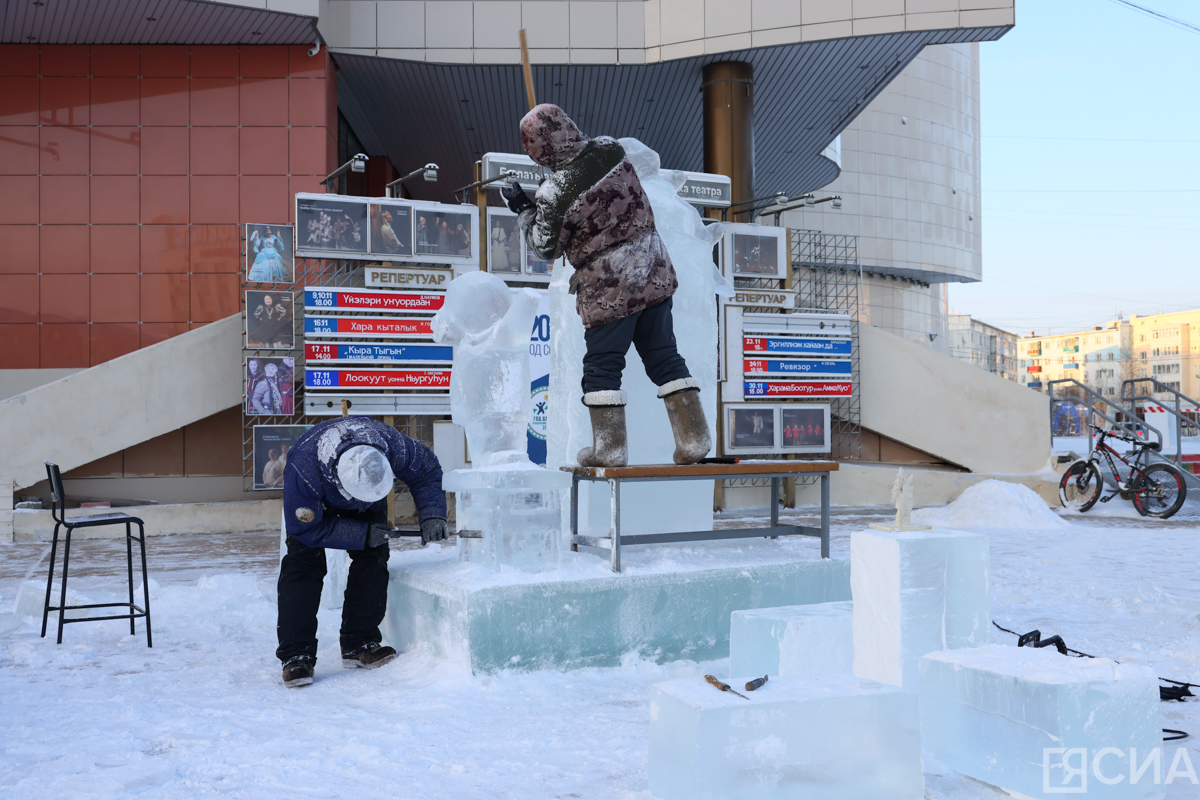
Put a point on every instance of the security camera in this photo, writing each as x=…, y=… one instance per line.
x=359, y=163
x=316, y=48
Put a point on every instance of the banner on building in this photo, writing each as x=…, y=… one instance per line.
x=817, y=368
x=271, y=446
x=783, y=388
x=270, y=324
x=270, y=253
x=269, y=389
x=317, y=378
x=377, y=353
x=368, y=327
x=796, y=346
x=331, y=223
x=539, y=374
x=371, y=300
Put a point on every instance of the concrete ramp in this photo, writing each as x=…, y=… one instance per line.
x=950, y=409
x=123, y=402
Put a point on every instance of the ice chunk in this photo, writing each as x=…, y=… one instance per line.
x=831, y=738
x=916, y=592
x=657, y=507
x=522, y=515
x=31, y=598
x=489, y=389
x=1027, y=719
x=810, y=640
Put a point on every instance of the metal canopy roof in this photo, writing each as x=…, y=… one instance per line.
x=805, y=95
x=129, y=22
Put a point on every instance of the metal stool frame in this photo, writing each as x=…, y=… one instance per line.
x=59, y=512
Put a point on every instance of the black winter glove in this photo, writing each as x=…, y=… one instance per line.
x=377, y=534
x=516, y=198
x=433, y=530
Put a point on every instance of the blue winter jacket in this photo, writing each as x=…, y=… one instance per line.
x=320, y=514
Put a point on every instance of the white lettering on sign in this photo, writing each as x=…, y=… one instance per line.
x=414, y=278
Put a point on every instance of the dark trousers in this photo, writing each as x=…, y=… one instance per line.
x=651, y=331
x=300, y=578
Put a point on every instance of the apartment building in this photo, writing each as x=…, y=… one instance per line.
x=984, y=346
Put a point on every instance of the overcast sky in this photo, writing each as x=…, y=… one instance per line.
x=1091, y=167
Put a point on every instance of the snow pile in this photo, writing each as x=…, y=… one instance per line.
x=993, y=505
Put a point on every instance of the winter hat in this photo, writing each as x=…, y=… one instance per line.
x=365, y=473
x=549, y=136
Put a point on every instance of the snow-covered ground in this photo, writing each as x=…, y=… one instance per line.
x=203, y=712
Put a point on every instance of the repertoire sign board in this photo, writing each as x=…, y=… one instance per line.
x=789, y=367
x=368, y=327
x=797, y=389
x=796, y=346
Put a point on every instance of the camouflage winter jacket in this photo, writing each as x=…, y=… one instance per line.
x=594, y=210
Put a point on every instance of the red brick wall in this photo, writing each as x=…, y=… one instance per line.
x=124, y=174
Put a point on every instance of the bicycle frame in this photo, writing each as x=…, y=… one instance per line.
x=1108, y=452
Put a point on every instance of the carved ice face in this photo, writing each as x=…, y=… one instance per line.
x=474, y=303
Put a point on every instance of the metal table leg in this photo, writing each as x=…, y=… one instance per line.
x=574, y=512
x=824, y=515
x=774, y=504
x=614, y=531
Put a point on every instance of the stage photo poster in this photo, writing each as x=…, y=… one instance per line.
x=270, y=389
x=391, y=229
x=270, y=253
x=803, y=427
x=331, y=223
x=445, y=234
x=270, y=324
x=272, y=443
x=755, y=251
x=504, y=243
x=752, y=428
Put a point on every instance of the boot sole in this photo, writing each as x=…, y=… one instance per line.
x=296, y=683
x=353, y=663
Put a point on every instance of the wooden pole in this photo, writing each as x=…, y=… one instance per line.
x=345, y=408
x=529, y=95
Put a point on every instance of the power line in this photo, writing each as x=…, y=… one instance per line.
x=1161, y=17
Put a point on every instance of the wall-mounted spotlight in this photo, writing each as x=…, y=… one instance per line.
x=356, y=164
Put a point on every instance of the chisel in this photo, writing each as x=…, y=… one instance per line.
x=724, y=687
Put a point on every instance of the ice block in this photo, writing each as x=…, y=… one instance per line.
x=916, y=592
x=811, y=640
x=1027, y=720
x=829, y=738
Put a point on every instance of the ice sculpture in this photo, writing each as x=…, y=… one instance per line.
x=902, y=496
x=833, y=738
x=659, y=507
x=811, y=640
x=1037, y=723
x=510, y=512
x=914, y=593
x=489, y=388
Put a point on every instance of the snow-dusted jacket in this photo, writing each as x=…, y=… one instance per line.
x=317, y=511
x=594, y=210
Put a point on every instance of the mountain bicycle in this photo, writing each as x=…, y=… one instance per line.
x=1157, y=490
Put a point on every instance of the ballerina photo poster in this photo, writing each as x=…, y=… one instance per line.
x=270, y=253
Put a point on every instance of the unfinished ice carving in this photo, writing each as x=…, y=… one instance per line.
x=489, y=391
x=902, y=496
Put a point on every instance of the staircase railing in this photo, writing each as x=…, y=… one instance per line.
x=1132, y=426
x=1129, y=395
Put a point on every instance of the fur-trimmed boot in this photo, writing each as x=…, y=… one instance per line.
x=609, y=448
x=692, y=441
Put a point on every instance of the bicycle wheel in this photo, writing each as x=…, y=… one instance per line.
x=1161, y=492
x=1080, y=486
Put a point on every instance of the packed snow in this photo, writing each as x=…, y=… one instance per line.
x=993, y=505
x=204, y=711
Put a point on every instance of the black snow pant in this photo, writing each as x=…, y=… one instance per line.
x=651, y=331
x=300, y=577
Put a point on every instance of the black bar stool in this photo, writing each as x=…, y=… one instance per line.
x=59, y=512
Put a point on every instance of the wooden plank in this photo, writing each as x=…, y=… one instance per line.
x=745, y=469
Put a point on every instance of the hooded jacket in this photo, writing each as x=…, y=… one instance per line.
x=320, y=514
x=593, y=209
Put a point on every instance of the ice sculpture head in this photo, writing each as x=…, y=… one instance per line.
x=365, y=473
x=475, y=302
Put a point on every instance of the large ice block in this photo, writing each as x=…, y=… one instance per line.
x=1037, y=723
x=522, y=514
x=916, y=592
x=810, y=640
x=830, y=738
x=645, y=507
x=583, y=615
